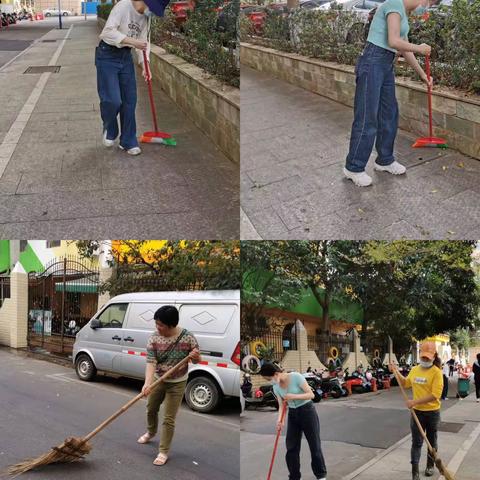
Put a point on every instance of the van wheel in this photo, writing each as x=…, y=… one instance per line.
x=202, y=394
x=85, y=368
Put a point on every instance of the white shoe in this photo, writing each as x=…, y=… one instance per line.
x=361, y=179
x=132, y=151
x=394, y=168
x=106, y=142
x=478, y=400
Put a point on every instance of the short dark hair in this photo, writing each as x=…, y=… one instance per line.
x=478, y=357
x=168, y=315
x=269, y=369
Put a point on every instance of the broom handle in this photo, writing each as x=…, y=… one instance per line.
x=150, y=92
x=109, y=420
x=279, y=430
x=427, y=68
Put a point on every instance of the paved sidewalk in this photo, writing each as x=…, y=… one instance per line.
x=293, y=148
x=61, y=182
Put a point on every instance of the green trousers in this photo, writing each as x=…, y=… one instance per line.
x=170, y=394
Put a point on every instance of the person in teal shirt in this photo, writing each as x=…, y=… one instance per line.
x=293, y=390
x=375, y=106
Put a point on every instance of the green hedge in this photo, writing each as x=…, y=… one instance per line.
x=201, y=39
x=104, y=9
x=339, y=36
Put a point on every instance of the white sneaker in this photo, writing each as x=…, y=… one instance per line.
x=132, y=151
x=106, y=142
x=361, y=179
x=394, y=168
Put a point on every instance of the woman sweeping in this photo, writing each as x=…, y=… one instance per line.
x=127, y=27
x=426, y=382
x=302, y=418
x=165, y=348
x=375, y=106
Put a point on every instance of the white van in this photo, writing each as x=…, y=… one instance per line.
x=115, y=340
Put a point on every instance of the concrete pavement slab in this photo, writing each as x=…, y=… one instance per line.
x=293, y=148
x=61, y=157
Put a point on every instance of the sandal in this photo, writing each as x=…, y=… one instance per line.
x=145, y=438
x=161, y=459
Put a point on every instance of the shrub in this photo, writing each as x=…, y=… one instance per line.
x=104, y=9
x=208, y=38
x=339, y=36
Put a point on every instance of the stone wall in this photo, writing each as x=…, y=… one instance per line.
x=455, y=118
x=213, y=106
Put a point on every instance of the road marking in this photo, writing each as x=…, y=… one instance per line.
x=59, y=376
x=461, y=453
x=375, y=459
x=10, y=142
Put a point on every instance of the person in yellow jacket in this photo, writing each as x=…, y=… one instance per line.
x=426, y=382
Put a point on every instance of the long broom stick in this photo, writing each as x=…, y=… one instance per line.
x=72, y=448
x=438, y=461
x=279, y=430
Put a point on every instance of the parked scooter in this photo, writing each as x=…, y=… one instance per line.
x=260, y=398
x=315, y=383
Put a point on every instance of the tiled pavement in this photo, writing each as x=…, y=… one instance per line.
x=62, y=183
x=293, y=146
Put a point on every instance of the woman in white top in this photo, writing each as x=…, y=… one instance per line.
x=127, y=27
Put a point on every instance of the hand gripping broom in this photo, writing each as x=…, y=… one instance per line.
x=430, y=141
x=73, y=449
x=156, y=136
x=433, y=453
x=279, y=430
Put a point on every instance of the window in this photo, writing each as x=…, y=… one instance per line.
x=113, y=316
x=53, y=243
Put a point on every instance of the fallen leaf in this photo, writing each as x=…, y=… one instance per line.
x=434, y=191
x=444, y=168
x=361, y=211
x=461, y=165
x=451, y=232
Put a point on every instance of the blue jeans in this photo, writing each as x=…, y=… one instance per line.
x=117, y=89
x=375, y=109
x=304, y=419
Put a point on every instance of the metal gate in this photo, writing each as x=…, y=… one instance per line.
x=61, y=300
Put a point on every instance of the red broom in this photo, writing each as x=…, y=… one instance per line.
x=430, y=141
x=156, y=136
x=279, y=431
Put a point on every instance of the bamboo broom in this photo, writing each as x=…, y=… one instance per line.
x=73, y=448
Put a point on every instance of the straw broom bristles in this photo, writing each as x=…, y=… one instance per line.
x=71, y=450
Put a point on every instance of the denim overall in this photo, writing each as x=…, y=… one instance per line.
x=117, y=89
x=375, y=109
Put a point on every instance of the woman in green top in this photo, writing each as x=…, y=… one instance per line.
x=375, y=107
x=293, y=389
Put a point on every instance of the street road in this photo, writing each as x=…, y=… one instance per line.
x=42, y=403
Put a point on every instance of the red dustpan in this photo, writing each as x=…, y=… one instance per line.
x=430, y=141
x=155, y=136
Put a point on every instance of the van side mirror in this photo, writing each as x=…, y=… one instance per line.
x=95, y=323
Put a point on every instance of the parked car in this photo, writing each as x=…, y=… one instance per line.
x=53, y=12
x=312, y=4
x=115, y=339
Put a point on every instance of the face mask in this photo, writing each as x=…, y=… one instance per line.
x=148, y=13
x=425, y=364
